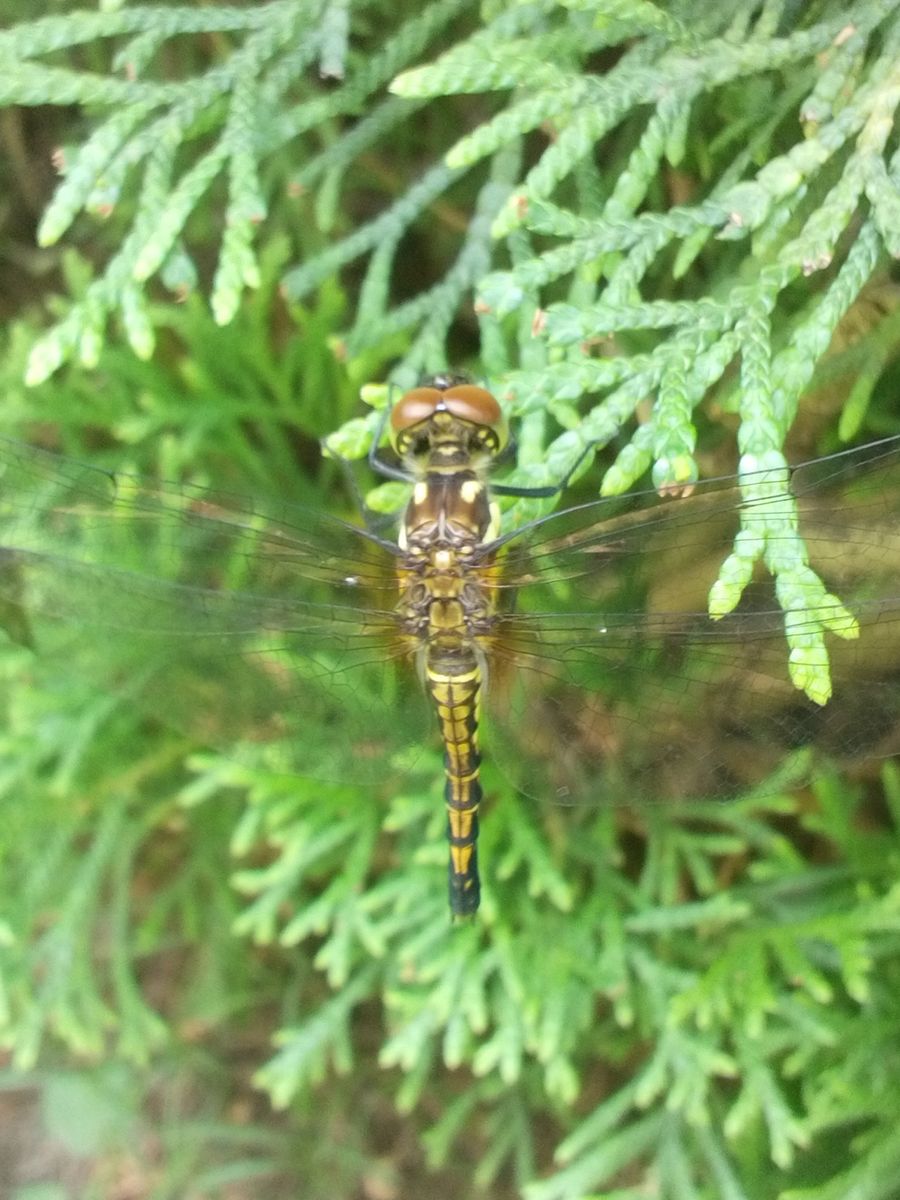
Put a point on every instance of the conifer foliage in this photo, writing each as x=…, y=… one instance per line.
x=635, y=217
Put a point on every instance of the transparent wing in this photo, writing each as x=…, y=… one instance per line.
x=237, y=623
x=611, y=682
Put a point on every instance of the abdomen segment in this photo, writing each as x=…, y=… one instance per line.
x=454, y=682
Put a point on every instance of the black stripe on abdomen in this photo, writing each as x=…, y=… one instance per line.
x=456, y=695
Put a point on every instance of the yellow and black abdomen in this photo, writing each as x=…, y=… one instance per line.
x=454, y=680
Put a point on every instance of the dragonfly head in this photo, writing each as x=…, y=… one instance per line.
x=448, y=410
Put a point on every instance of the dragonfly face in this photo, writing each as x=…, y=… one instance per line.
x=585, y=633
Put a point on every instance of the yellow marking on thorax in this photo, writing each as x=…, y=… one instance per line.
x=470, y=490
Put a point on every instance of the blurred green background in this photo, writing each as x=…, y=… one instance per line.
x=657, y=227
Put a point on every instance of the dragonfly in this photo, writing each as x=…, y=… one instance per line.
x=578, y=647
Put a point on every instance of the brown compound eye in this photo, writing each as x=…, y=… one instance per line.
x=474, y=404
x=415, y=406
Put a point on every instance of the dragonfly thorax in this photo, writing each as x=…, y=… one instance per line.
x=448, y=511
x=442, y=573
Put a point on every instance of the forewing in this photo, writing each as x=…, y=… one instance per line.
x=610, y=681
x=236, y=623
